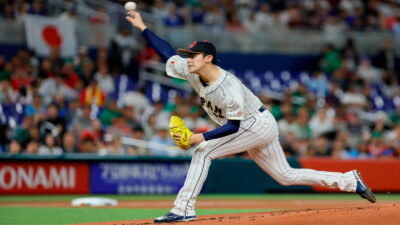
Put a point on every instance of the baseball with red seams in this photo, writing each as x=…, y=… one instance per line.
x=130, y=6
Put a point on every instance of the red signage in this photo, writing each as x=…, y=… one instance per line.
x=379, y=174
x=44, y=177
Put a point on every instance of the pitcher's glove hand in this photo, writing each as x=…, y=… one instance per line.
x=177, y=126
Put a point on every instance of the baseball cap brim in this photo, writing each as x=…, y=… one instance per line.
x=186, y=51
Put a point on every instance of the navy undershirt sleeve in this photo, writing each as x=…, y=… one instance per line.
x=232, y=126
x=162, y=47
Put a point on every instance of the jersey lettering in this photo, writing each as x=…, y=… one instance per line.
x=217, y=112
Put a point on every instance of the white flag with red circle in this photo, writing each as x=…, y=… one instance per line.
x=44, y=33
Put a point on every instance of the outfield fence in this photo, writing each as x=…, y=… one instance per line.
x=87, y=173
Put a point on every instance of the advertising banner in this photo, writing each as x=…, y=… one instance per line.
x=138, y=178
x=43, y=177
x=379, y=174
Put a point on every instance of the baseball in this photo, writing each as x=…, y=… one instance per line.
x=130, y=6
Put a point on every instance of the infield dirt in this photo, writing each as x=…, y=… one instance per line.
x=288, y=212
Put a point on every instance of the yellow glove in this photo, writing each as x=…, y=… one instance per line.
x=177, y=126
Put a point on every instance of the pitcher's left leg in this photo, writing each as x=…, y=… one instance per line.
x=273, y=161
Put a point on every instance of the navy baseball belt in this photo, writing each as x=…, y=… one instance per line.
x=262, y=109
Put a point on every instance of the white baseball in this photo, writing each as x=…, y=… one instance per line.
x=130, y=6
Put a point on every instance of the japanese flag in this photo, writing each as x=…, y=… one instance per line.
x=44, y=33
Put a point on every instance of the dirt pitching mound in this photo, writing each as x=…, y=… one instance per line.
x=376, y=214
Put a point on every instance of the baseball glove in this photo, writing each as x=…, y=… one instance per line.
x=177, y=126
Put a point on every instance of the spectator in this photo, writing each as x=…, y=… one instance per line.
x=354, y=127
x=367, y=72
x=286, y=124
x=129, y=116
x=33, y=148
x=87, y=142
x=263, y=17
x=6, y=70
x=173, y=19
x=322, y=122
x=70, y=77
x=251, y=24
x=56, y=60
x=126, y=44
x=70, y=15
x=138, y=100
x=37, y=109
x=105, y=81
x=22, y=136
x=69, y=143
x=162, y=137
x=159, y=10
x=110, y=113
x=395, y=115
x=376, y=147
x=150, y=126
x=386, y=58
x=330, y=60
x=234, y=24
x=8, y=12
x=92, y=95
x=86, y=75
x=82, y=121
x=320, y=147
x=244, y=9
x=37, y=8
x=54, y=123
x=81, y=58
x=319, y=84
x=46, y=70
x=339, y=151
x=214, y=18
x=6, y=92
x=350, y=56
x=138, y=133
x=392, y=139
x=302, y=129
x=354, y=99
x=20, y=79
x=51, y=86
x=115, y=147
x=49, y=147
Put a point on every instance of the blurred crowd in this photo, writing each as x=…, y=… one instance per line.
x=51, y=105
x=255, y=15
x=335, y=112
x=248, y=15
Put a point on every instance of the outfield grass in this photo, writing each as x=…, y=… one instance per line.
x=65, y=215
x=56, y=216
x=305, y=196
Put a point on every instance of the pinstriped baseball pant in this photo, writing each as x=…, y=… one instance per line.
x=258, y=136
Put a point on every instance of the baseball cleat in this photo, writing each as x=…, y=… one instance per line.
x=172, y=217
x=362, y=189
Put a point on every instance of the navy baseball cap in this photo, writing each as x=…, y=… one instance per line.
x=204, y=47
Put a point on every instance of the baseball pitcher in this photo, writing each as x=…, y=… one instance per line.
x=245, y=125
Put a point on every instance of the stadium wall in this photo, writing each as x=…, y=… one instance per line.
x=84, y=174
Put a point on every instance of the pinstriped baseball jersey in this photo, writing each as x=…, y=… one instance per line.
x=228, y=98
x=223, y=100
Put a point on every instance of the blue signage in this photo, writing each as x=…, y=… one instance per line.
x=137, y=178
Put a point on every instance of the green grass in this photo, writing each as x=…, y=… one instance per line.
x=308, y=196
x=65, y=215
x=55, y=216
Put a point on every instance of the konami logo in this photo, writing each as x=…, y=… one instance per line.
x=43, y=177
x=11, y=177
